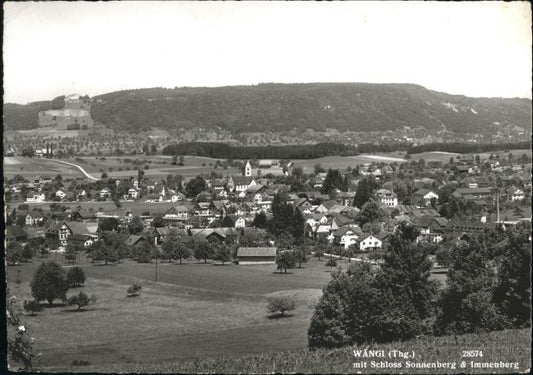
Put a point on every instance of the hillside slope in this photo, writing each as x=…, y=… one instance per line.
x=318, y=106
x=512, y=347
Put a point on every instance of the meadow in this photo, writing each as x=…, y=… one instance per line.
x=193, y=311
x=30, y=168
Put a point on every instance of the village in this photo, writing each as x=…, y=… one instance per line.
x=346, y=212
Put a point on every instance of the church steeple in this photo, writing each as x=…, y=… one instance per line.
x=247, y=169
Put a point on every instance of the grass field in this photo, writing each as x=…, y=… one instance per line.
x=159, y=166
x=512, y=347
x=195, y=310
x=32, y=167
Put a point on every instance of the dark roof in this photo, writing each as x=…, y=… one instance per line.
x=133, y=240
x=15, y=232
x=256, y=252
x=242, y=180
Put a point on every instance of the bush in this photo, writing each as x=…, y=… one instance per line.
x=134, y=290
x=75, y=277
x=32, y=307
x=81, y=300
x=280, y=305
x=443, y=257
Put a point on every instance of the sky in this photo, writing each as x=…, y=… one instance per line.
x=480, y=49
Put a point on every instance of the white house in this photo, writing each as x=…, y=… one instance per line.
x=387, y=197
x=517, y=195
x=240, y=222
x=36, y=198
x=345, y=237
x=370, y=242
x=133, y=193
x=426, y=196
x=105, y=193
x=60, y=194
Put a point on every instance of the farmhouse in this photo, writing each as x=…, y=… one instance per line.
x=256, y=255
x=370, y=242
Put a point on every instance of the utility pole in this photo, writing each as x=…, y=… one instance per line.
x=156, y=268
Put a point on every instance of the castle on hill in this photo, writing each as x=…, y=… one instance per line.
x=75, y=115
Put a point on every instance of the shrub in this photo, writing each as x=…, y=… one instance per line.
x=75, y=277
x=32, y=307
x=280, y=305
x=134, y=290
x=81, y=300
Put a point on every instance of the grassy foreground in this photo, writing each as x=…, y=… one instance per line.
x=511, y=347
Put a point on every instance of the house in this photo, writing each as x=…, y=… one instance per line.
x=35, y=197
x=105, y=193
x=256, y=255
x=82, y=240
x=326, y=206
x=515, y=195
x=238, y=221
x=240, y=183
x=473, y=193
x=177, y=213
x=14, y=233
x=34, y=218
x=134, y=193
x=69, y=228
x=431, y=228
x=176, y=197
x=60, y=194
x=345, y=236
x=387, y=197
x=369, y=242
x=133, y=240
x=425, y=196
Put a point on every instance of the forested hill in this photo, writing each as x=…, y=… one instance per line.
x=318, y=106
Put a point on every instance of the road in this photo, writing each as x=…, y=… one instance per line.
x=90, y=177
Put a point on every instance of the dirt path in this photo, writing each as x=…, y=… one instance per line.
x=90, y=177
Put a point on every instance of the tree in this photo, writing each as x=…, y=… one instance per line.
x=369, y=213
x=99, y=251
x=104, y=175
x=28, y=152
x=298, y=227
x=173, y=246
x=49, y=283
x=332, y=262
x=71, y=252
x=333, y=181
x=75, y=277
x=260, y=220
x=466, y=304
x=81, y=300
x=109, y=224
x=365, y=187
x=202, y=250
x=136, y=225
x=280, y=305
x=319, y=252
x=222, y=253
x=32, y=307
x=195, y=186
x=134, y=290
x=158, y=221
x=13, y=253
x=285, y=260
x=300, y=255
x=512, y=293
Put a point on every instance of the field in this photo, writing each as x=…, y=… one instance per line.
x=32, y=167
x=195, y=310
x=160, y=167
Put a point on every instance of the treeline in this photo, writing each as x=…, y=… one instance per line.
x=21, y=117
x=224, y=151
x=467, y=148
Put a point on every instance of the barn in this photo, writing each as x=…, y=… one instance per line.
x=256, y=255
